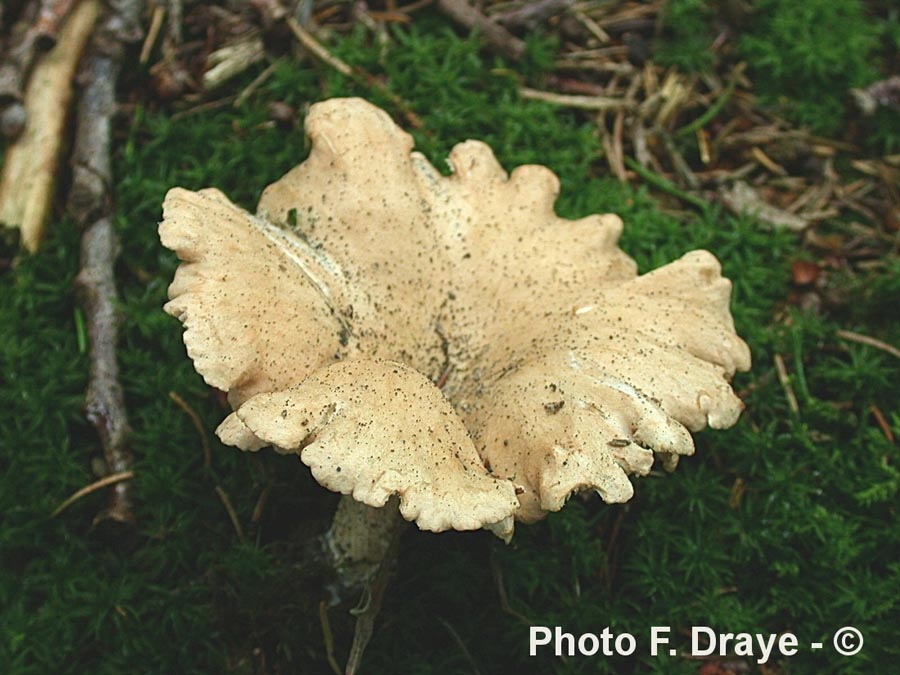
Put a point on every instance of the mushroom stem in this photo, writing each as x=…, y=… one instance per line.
x=358, y=541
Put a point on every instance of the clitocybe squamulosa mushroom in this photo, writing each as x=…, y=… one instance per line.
x=448, y=340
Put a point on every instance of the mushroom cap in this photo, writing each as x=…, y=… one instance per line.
x=447, y=339
x=372, y=429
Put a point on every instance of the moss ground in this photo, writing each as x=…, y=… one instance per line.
x=786, y=522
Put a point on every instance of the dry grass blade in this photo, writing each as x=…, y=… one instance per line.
x=232, y=514
x=328, y=638
x=882, y=423
x=462, y=646
x=316, y=49
x=785, y=381
x=255, y=84
x=767, y=161
x=599, y=103
x=501, y=592
x=93, y=487
x=198, y=425
x=869, y=342
x=665, y=185
x=156, y=22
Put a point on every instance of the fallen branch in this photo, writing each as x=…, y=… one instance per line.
x=90, y=204
x=105, y=400
x=29, y=171
x=461, y=12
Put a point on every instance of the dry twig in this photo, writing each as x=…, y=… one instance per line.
x=318, y=50
x=90, y=203
x=29, y=170
x=572, y=101
x=461, y=12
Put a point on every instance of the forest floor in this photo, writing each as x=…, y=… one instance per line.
x=766, y=133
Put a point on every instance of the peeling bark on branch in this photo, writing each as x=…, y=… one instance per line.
x=90, y=203
x=105, y=400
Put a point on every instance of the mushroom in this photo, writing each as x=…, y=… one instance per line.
x=448, y=340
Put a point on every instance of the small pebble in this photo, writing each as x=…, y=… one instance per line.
x=282, y=113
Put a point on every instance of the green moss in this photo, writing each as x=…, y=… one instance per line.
x=688, y=37
x=803, y=57
x=806, y=56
